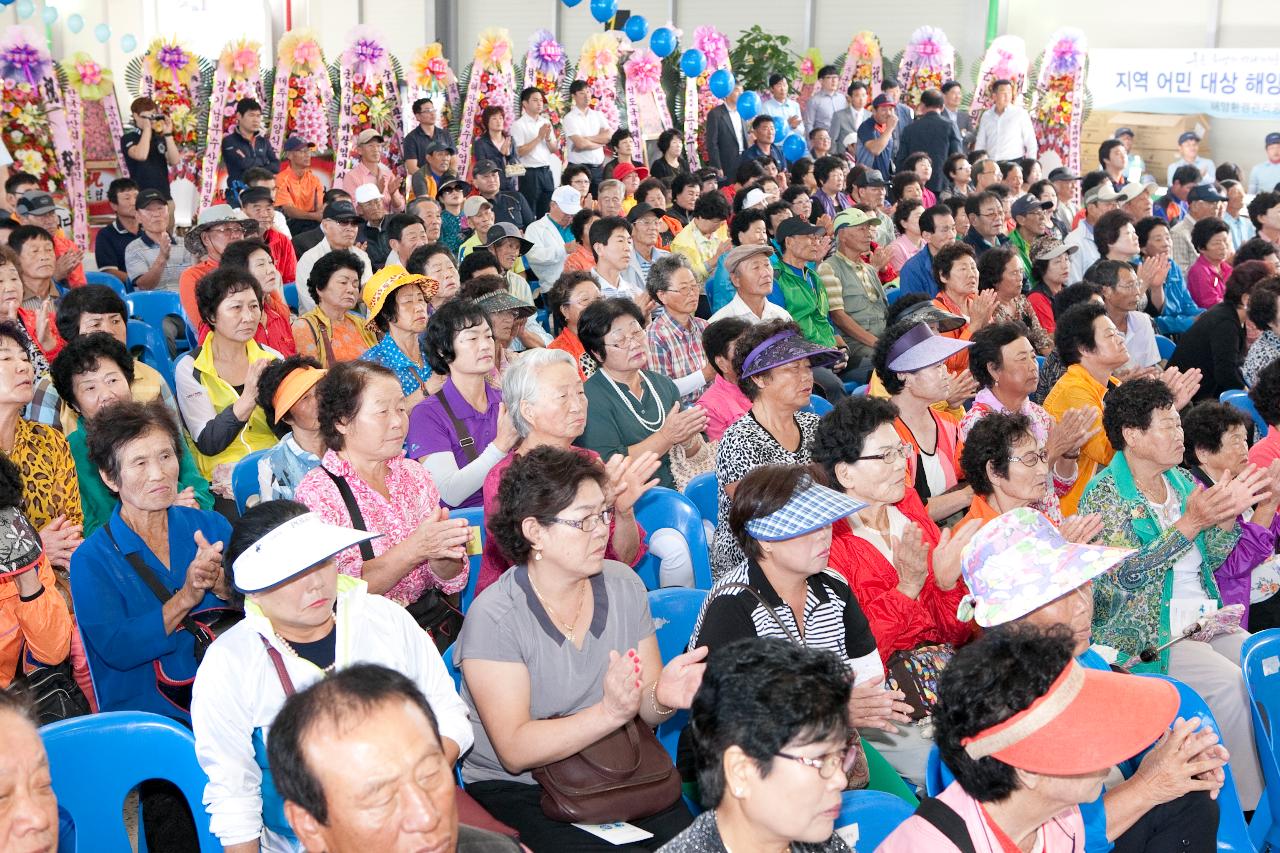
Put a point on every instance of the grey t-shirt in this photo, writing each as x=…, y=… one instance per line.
x=507, y=623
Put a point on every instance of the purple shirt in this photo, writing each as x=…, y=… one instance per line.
x=432, y=431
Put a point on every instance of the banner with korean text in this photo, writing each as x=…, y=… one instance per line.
x=1222, y=82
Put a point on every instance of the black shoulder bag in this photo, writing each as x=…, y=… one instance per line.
x=465, y=441
x=433, y=611
x=943, y=818
x=51, y=689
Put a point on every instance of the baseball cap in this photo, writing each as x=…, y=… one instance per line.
x=296, y=143
x=254, y=195
x=35, y=203
x=1273, y=139
x=794, y=226
x=854, y=216
x=1062, y=173
x=810, y=507
x=870, y=178
x=292, y=549
x=366, y=193
x=849, y=138
x=739, y=254
x=438, y=146
x=1028, y=203
x=568, y=199
x=1189, y=136
x=1132, y=190
x=148, y=197
x=922, y=347
x=883, y=100
x=474, y=204
x=485, y=167
x=644, y=209
x=1102, y=192
x=1122, y=131
x=1205, y=192
x=368, y=135
x=341, y=211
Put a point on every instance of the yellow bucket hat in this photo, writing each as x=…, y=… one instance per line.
x=383, y=283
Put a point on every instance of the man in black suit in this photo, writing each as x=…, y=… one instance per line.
x=932, y=134
x=726, y=135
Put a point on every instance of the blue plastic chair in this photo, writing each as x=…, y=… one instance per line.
x=1165, y=346
x=937, y=776
x=291, y=296
x=894, y=295
x=675, y=611
x=475, y=517
x=1242, y=401
x=95, y=761
x=153, y=306
x=106, y=279
x=818, y=405
x=661, y=507
x=244, y=479
x=702, y=491
x=1039, y=363
x=1260, y=660
x=876, y=814
x=149, y=347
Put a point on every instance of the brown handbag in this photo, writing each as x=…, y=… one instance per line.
x=626, y=775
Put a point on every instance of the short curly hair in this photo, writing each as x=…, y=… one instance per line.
x=1205, y=229
x=340, y=393
x=120, y=423
x=740, y=703
x=328, y=264
x=947, y=257
x=880, y=355
x=752, y=338
x=539, y=485
x=1264, y=302
x=218, y=285
x=598, y=318
x=1074, y=334
x=1265, y=394
x=1205, y=424
x=1131, y=405
x=988, y=342
x=81, y=355
x=842, y=432
x=991, y=440
x=988, y=681
x=269, y=384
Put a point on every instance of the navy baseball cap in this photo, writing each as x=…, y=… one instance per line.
x=1205, y=192
x=1273, y=139
x=883, y=100
x=1189, y=136
x=341, y=211
x=148, y=197
x=296, y=143
x=485, y=167
x=1027, y=203
x=1122, y=131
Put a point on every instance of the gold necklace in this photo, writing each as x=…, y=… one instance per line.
x=567, y=628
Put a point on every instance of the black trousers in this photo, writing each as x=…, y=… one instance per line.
x=537, y=185
x=167, y=823
x=1188, y=824
x=519, y=806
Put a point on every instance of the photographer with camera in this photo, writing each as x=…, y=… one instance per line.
x=149, y=149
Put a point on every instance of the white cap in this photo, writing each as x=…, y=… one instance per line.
x=366, y=193
x=849, y=138
x=568, y=199
x=290, y=550
x=754, y=198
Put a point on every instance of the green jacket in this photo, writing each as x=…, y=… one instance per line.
x=1131, y=602
x=805, y=299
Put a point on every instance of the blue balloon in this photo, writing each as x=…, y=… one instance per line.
x=693, y=62
x=50, y=14
x=603, y=10
x=128, y=43
x=721, y=83
x=636, y=27
x=793, y=147
x=6, y=2
x=26, y=9
x=75, y=23
x=780, y=128
x=662, y=42
x=748, y=105
x=572, y=3
x=102, y=33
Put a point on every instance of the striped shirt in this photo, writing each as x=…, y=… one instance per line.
x=833, y=620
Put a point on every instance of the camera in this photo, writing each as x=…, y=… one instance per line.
x=157, y=117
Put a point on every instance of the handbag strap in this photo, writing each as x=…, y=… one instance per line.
x=767, y=606
x=353, y=510
x=946, y=820
x=465, y=441
x=283, y=674
x=159, y=590
x=321, y=335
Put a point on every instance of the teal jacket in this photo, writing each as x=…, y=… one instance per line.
x=1131, y=601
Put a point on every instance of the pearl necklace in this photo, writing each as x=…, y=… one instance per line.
x=649, y=426
x=291, y=650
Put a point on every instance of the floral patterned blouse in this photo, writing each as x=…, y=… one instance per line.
x=1019, y=309
x=413, y=498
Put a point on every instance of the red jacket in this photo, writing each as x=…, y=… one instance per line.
x=898, y=623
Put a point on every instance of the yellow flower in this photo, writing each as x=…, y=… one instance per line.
x=493, y=50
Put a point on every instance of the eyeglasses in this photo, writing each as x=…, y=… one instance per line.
x=589, y=524
x=826, y=765
x=1128, y=285
x=890, y=455
x=992, y=214
x=684, y=291
x=622, y=340
x=1032, y=458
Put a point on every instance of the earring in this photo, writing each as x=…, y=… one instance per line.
x=537, y=555
x=738, y=792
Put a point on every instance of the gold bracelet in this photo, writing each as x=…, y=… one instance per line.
x=653, y=702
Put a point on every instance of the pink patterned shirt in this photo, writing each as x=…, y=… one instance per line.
x=413, y=498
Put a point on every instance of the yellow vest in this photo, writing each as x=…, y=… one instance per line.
x=256, y=434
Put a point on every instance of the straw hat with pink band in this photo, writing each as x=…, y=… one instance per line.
x=293, y=388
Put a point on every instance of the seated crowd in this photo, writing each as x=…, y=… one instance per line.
x=382, y=515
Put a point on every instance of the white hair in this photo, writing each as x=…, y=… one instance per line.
x=520, y=382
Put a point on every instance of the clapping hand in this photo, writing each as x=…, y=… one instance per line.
x=911, y=559
x=981, y=309
x=1183, y=384
x=440, y=537
x=949, y=550
x=621, y=700
x=1081, y=529
x=60, y=538
x=961, y=387
x=681, y=678
x=204, y=572
x=629, y=478
x=1073, y=431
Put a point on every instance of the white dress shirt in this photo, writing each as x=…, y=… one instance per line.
x=1008, y=135
x=583, y=123
x=524, y=131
